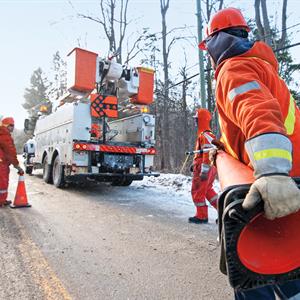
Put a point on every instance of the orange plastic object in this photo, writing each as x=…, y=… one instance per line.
x=232, y=172
x=146, y=85
x=96, y=131
x=21, y=196
x=270, y=247
x=225, y=18
x=81, y=70
x=104, y=106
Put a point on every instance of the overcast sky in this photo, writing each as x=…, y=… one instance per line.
x=32, y=31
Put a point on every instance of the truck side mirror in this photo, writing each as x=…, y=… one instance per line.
x=26, y=124
x=29, y=126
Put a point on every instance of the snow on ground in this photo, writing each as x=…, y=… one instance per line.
x=174, y=194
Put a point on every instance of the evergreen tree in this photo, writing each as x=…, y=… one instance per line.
x=59, y=85
x=36, y=95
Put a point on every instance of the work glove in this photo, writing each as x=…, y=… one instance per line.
x=203, y=176
x=212, y=156
x=218, y=144
x=280, y=194
x=20, y=170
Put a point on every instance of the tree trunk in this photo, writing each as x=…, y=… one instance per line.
x=164, y=4
x=268, y=37
x=260, y=28
x=282, y=40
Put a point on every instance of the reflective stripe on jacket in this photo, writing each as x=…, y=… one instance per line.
x=202, y=143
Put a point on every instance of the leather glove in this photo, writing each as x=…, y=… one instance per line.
x=212, y=155
x=218, y=144
x=203, y=176
x=20, y=170
x=280, y=194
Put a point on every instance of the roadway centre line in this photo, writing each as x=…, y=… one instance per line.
x=41, y=272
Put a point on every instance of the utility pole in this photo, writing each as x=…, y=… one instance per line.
x=201, y=57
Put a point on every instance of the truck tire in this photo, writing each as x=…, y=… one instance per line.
x=121, y=182
x=47, y=171
x=28, y=170
x=58, y=173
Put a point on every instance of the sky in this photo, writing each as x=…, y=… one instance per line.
x=32, y=31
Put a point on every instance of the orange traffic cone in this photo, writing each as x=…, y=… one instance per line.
x=21, y=196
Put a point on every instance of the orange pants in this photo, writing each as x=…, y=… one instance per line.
x=203, y=189
x=4, y=177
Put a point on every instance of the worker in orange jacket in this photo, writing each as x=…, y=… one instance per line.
x=203, y=173
x=259, y=120
x=8, y=156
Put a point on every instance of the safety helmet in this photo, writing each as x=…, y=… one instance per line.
x=203, y=117
x=8, y=121
x=203, y=114
x=226, y=18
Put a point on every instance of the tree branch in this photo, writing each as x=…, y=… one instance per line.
x=260, y=28
x=282, y=40
x=266, y=23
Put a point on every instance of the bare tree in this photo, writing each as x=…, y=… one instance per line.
x=211, y=6
x=109, y=22
x=264, y=31
x=184, y=106
x=165, y=161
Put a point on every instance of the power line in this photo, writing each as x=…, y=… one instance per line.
x=206, y=70
x=283, y=48
x=284, y=29
x=287, y=47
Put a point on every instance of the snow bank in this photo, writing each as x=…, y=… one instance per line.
x=175, y=194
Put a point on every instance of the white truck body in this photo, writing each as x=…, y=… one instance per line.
x=57, y=131
x=75, y=142
x=127, y=153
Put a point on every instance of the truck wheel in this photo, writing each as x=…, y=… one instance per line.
x=58, y=173
x=47, y=171
x=121, y=182
x=126, y=182
x=28, y=170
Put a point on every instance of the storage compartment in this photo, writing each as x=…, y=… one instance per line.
x=138, y=129
x=81, y=70
x=146, y=85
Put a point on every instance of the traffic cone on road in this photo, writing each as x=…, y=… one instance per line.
x=21, y=196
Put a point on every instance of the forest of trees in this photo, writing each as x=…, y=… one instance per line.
x=174, y=104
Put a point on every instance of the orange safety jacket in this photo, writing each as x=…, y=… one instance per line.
x=8, y=153
x=259, y=120
x=203, y=141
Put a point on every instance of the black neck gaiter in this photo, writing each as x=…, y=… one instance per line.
x=224, y=45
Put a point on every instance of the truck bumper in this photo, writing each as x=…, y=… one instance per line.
x=107, y=177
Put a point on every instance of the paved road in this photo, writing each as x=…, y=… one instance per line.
x=103, y=243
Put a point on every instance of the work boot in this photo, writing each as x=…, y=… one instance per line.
x=196, y=220
x=7, y=202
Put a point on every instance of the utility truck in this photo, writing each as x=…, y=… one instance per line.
x=83, y=138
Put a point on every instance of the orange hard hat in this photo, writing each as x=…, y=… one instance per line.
x=223, y=19
x=204, y=117
x=8, y=121
x=203, y=114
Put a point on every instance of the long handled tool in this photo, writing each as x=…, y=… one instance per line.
x=189, y=153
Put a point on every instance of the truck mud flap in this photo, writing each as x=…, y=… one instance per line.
x=256, y=251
